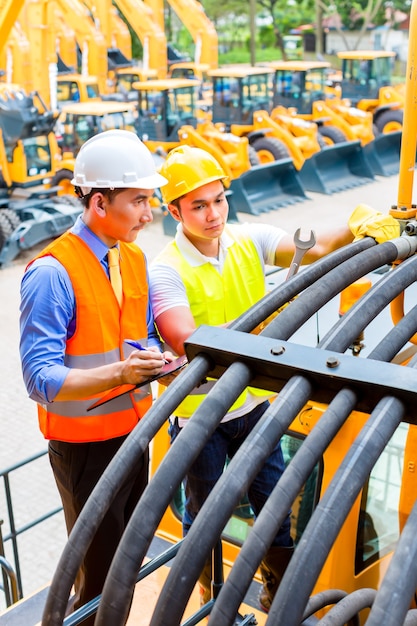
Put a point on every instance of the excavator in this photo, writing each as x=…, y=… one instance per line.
x=122, y=71
x=191, y=13
x=142, y=21
x=49, y=39
x=344, y=411
x=30, y=210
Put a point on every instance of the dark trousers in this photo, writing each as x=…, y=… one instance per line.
x=77, y=468
x=209, y=465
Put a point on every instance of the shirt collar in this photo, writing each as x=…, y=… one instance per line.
x=98, y=248
x=193, y=256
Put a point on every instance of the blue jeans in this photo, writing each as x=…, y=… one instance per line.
x=209, y=465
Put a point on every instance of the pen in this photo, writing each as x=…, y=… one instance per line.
x=138, y=346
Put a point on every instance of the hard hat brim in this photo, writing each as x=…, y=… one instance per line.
x=149, y=182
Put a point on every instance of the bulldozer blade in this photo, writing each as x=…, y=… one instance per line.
x=383, y=153
x=336, y=168
x=266, y=187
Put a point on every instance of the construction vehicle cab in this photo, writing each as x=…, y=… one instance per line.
x=299, y=83
x=29, y=148
x=80, y=121
x=163, y=107
x=366, y=83
x=238, y=92
x=76, y=88
x=122, y=79
x=364, y=72
x=29, y=158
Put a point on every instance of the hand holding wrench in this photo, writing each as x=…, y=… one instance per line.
x=301, y=248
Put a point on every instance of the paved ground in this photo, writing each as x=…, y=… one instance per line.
x=33, y=489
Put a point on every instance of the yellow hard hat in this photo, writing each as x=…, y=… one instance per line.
x=186, y=169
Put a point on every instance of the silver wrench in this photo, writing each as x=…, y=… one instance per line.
x=301, y=248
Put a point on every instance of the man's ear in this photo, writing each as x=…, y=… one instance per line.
x=174, y=212
x=97, y=203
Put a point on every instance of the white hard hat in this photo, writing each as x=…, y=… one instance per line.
x=115, y=159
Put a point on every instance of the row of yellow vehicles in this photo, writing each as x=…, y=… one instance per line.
x=344, y=412
x=279, y=117
x=345, y=416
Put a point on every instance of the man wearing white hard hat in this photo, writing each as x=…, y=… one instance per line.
x=74, y=323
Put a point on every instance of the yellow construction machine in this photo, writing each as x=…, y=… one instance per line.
x=30, y=210
x=302, y=88
x=242, y=101
x=192, y=15
x=367, y=83
x=344, y=413
x=80, y=121
x=143, y=22
x=122, y=71
x=167, y=116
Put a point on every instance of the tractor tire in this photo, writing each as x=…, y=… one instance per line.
x=6, y=229
x=390, y=121
x=321, y=141
x=270, y=149
x=253, y=156
x=12, y=217
x=63, y=179
x=332, y=135
x=67, y=199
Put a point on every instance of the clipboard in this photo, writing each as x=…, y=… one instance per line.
x=169, y=368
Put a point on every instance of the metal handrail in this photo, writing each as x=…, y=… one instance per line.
x=15, y=574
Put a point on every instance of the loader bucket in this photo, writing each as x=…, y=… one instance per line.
x=383, y=153
x=266, y=187
x=336, y=168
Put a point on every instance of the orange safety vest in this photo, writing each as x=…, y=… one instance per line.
x=101, y=327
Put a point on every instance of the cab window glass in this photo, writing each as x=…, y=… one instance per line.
x=378, y=528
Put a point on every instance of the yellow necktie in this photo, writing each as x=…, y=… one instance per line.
x=114, y=271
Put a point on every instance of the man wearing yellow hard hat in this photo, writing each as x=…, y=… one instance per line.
x=210, y=274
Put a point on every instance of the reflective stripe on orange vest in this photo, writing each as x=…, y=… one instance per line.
x=101, y=328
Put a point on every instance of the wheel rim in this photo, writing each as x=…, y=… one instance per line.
x=66, y=188
x=392, y=127
x=265, y=156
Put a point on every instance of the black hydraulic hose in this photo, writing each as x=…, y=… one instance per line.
x=276, y=508
x=330, y=285
x=107, y=488
x=114, y=476
x=283, y=495
x=219, y=506
x=178, y=598
x=346, y=611
x=327, y=519
x=323, y=599
x=390, y=285
x=112, y=479
x=121, y=578
x=288, y=289
x=400, y=580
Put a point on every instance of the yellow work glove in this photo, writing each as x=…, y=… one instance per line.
x=366, y=222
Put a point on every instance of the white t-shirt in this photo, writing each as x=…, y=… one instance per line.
x=168, y=291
